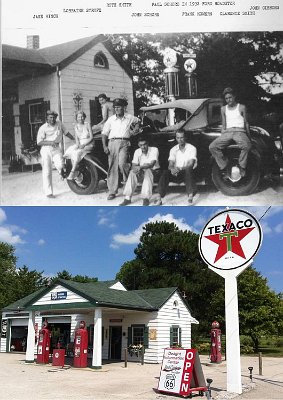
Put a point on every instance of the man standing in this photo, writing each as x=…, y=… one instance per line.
x=106, y=110
x=144, y=165
x=49, y=138
x=116, y=135
x=235, y=128
x=182, y=161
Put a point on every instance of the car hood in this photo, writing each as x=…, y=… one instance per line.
x=190, y=105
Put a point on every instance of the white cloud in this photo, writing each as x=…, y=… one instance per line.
x=10, y=234
x=3, y=216
x=41, y=242
x=279, y=228
x=107, y=218
x=134, y=236
x=7, y=236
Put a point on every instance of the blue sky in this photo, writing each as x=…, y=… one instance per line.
x=96, y=241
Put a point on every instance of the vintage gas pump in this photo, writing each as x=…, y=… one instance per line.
x=80, y=347
x=215, y=348
x=43, y=346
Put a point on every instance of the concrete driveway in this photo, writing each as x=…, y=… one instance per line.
x=21, y=381
x=26, y=189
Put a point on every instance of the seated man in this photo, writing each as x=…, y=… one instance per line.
x=235, y=128
x=182, y=161
x=145, y=163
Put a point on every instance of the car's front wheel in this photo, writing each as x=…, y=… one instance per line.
x=233, y=184
x=86, y=180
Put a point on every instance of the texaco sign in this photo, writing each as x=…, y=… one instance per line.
x=230, y=239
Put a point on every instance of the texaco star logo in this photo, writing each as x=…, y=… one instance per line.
x=230, y=239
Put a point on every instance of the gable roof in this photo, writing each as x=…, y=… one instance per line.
x=99, y=294
x=59, y=55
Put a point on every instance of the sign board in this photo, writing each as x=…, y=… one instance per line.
x=230, y=239
x=58, y=295
x=181, y=372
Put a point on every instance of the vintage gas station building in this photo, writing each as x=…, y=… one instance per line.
x=115, y=318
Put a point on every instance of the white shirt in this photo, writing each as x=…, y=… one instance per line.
x=51, y=132
x=234, y=118
x=116, y=127
x=182, y=157
x=141, y=158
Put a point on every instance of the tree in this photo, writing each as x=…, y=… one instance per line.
x=167, y=256
x=16, y=283
x=76, y=278
x=243, y=60
x=7, y=272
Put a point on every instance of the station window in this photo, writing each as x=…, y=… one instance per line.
x=100, y=60
x=138, y=334
x=175, y=336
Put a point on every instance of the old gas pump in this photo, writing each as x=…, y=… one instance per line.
x=43, y=346
x=215, y=347
x=80, y=347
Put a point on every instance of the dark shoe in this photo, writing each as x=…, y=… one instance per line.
x=111, y=196
x=50, y=196
x=125, y=202
x=242, y=172
x=190, y=199
x=145, y=202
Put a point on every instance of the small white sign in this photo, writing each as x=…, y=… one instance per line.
x=230, y=239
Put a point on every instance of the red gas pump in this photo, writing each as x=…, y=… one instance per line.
x=43, y=346
x=80, y=347
x=215, y=347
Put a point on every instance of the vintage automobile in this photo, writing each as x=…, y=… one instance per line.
x=201, y=122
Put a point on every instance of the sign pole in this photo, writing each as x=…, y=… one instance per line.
x=227, y=245
x=233, y=354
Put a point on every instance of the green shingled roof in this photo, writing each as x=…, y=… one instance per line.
x=100, y=295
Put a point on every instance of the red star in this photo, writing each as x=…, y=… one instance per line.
x=229, y=241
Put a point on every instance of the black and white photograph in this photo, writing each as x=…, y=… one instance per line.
x=202, y=112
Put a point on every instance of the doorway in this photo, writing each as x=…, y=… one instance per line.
x=115, y=342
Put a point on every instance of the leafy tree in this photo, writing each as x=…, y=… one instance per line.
x=77, y=278
x=167, y=256
x=223, y=59
x=16, y=283
x=260, y=308
x=7, y=272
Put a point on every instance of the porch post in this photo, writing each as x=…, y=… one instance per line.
x=30, y=338
x=97, y=340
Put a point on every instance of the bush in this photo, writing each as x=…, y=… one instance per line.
x=203, y=347
x=246, y=345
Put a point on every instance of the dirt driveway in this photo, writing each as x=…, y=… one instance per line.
x=21, y=381
x=26, y=189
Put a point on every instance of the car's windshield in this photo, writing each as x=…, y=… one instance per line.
x=168, y=118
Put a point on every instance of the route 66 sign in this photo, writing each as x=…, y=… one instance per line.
x=190, y=65
x=169, y=383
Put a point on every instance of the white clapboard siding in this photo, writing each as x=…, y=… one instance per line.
x=45, y=87
x=71, y=297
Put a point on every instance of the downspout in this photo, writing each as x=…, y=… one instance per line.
x=58, y=72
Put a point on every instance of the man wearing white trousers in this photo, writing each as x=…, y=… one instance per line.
x=49, y=138
x=144, y=166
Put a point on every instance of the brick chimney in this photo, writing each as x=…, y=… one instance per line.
x=33, y=42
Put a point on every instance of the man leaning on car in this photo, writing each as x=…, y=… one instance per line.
x=182, y=161
x=116, y=135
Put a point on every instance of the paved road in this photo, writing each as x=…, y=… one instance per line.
x=21, y=381
x=26, y=189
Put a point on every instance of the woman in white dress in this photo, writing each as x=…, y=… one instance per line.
x=84, y=143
